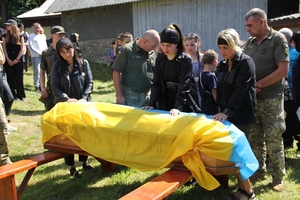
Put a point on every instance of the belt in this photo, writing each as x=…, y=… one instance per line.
x=171, y=86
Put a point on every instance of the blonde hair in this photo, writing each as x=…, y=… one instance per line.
x=232, y=38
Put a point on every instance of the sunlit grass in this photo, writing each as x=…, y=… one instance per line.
x=52, y=180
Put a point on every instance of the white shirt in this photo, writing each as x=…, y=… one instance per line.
x=36, y=44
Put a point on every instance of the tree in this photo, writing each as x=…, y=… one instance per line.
x=12, y=8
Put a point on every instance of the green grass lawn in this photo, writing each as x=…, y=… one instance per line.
x=52, y=180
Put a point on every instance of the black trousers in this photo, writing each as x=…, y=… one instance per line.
x=69, y=160
x=15, y=79
x=6, y=94
x=292, y=124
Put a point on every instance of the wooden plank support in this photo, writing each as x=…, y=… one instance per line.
x=106, y=166
x=8, y=188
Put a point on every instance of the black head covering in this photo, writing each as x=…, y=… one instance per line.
x=169, y=35
x=296, y=39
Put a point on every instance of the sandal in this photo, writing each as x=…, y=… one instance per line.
x=233, y=196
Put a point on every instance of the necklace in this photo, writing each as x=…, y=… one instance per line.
x=70, y=68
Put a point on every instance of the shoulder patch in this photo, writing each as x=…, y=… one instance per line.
x=286, y=48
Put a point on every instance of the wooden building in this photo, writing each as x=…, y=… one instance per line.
x=99, y=21
x=47, y=20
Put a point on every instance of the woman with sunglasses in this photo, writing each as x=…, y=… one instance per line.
x=13, y=47
x=71, y=81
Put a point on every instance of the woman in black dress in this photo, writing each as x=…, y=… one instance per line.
x=173, y=87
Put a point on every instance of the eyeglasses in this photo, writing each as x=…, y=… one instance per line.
x=7, y=24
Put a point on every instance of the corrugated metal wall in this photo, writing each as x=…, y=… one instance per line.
x=204, y=17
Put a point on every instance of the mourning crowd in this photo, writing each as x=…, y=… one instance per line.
x=255, y=85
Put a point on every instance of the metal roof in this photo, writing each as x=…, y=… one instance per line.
x=286, y=17
x=68, y=5
x=39, y=11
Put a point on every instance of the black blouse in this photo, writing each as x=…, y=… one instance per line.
x=236, y=93
x=178, y=73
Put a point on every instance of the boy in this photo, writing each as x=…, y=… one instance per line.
x=208, y=83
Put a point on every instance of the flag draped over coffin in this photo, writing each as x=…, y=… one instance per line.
x=149, y=140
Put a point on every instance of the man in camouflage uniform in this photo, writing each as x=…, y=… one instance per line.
x=4, y=159
x=269, y=50
x=133, y=69
x=49, y=55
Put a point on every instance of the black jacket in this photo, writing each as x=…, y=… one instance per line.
x=186, y=95
x=296, y=82
x=236, y=93
x=75, y=84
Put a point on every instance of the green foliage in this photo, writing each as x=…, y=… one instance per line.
x=14, y=8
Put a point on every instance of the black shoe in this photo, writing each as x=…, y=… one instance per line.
x=74, y=173
x=37, y=89
x=87, y=167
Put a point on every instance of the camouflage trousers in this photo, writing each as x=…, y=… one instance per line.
x=134, y=98
x=265, y=137
x=4, y=159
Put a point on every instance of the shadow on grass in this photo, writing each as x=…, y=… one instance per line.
x=92, y=185
x=28, y=112
x=293, y=165
x=197, y=192
x=103, y=89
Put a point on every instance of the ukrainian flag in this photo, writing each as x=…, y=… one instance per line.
x=150, y=140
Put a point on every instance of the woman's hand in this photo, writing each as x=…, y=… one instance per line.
x=220, y=117
x=147, y=108
x=44, y=93
x=82, y=100
x=10, y=62
x=71, y=100
x=174, y=112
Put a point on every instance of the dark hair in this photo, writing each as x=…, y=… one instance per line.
x=125, y=35
x=20, y=25
x=172, y=35
x=73, y=37
x=296, y=39
x=63, y=64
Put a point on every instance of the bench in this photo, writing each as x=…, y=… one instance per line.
x=161, y=186
x=165, y=184
x=8, y=189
